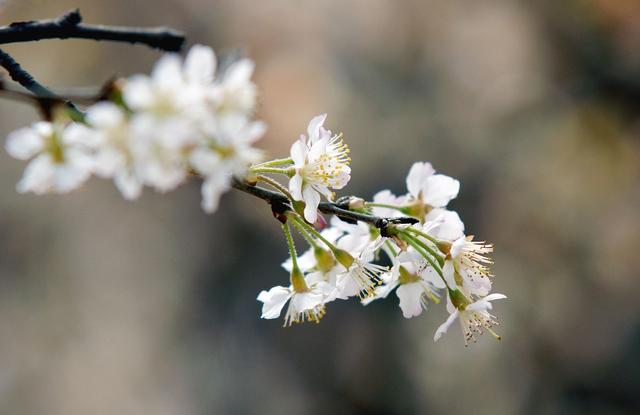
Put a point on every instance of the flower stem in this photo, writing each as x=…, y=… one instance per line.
x=290, y=244
x=423, y=234
x=276, y=162
x=413, y=242
x=259, y=169
x=424, y=246
x=384, y=205
x=296, y=218
x=305, y=234
x=275, y=185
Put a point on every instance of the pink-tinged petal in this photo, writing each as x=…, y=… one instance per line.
x=445, y=326
x=273, y=301
x=418, y=174
x=24, y=143
x=295, y=186
x=439, y=189
x=200, y=64
x=299, y=153
x=313, y=129
x=312, y=200
x=410, y=296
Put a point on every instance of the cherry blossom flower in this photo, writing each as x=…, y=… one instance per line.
x=473, y=318
x=113, y=157
x=306, y=305
x=60, y=156
x=321, y=163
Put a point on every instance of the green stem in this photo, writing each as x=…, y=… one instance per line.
x=423, y=234
x=384, y=205
x=426, y=247
x=390, y=247
x=417, y=247
x=296, y=218
x=305, y=234
x=276, y=162
x=258, y=169
x=292, y=247
x=275, y=185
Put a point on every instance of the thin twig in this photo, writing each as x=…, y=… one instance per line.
x=70, y=25
x=324, y=207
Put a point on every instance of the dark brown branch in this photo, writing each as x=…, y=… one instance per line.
x=70, y=25
x=329, y=208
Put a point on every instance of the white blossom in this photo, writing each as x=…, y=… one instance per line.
x=307, y=305
x=473, y=318
x=321, y=163
x=60, y=156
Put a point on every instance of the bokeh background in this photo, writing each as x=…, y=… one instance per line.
x=110, y=307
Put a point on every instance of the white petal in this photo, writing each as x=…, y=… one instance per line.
x=167, y=72
x=273, y=301
x=212, y=188
x=312, y=200
x=128, y=184
x=104, y=115
x=37, y=176
x=439, y=189
x=448, y=272
x=138, y=92
x=418, y=174
x=200, y=64
x=494, y=296
x=76, y=134
x=299, y=153
x=445, y=326
x=24, y=143
x=313, y=129
x=239, y=72
x=295, y=186
x=410, y=299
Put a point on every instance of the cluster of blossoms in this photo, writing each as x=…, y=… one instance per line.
x=421, y=261
x=152, y=131
x=186, y=120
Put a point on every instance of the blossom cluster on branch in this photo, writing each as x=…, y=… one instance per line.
x=189, y=119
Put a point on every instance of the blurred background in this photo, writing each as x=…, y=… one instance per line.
x=110, y=307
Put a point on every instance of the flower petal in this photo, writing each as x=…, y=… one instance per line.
x=200, y=64
x=410, y=296
x=313, y=129
x=418, y=174
x=439, y=189
x=445, y=326
x=312, y=200
x=273, y=301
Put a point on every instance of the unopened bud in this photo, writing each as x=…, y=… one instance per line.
x=356, y=203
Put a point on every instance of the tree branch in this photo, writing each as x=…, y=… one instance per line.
x=337, y=209
x=70, y=25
